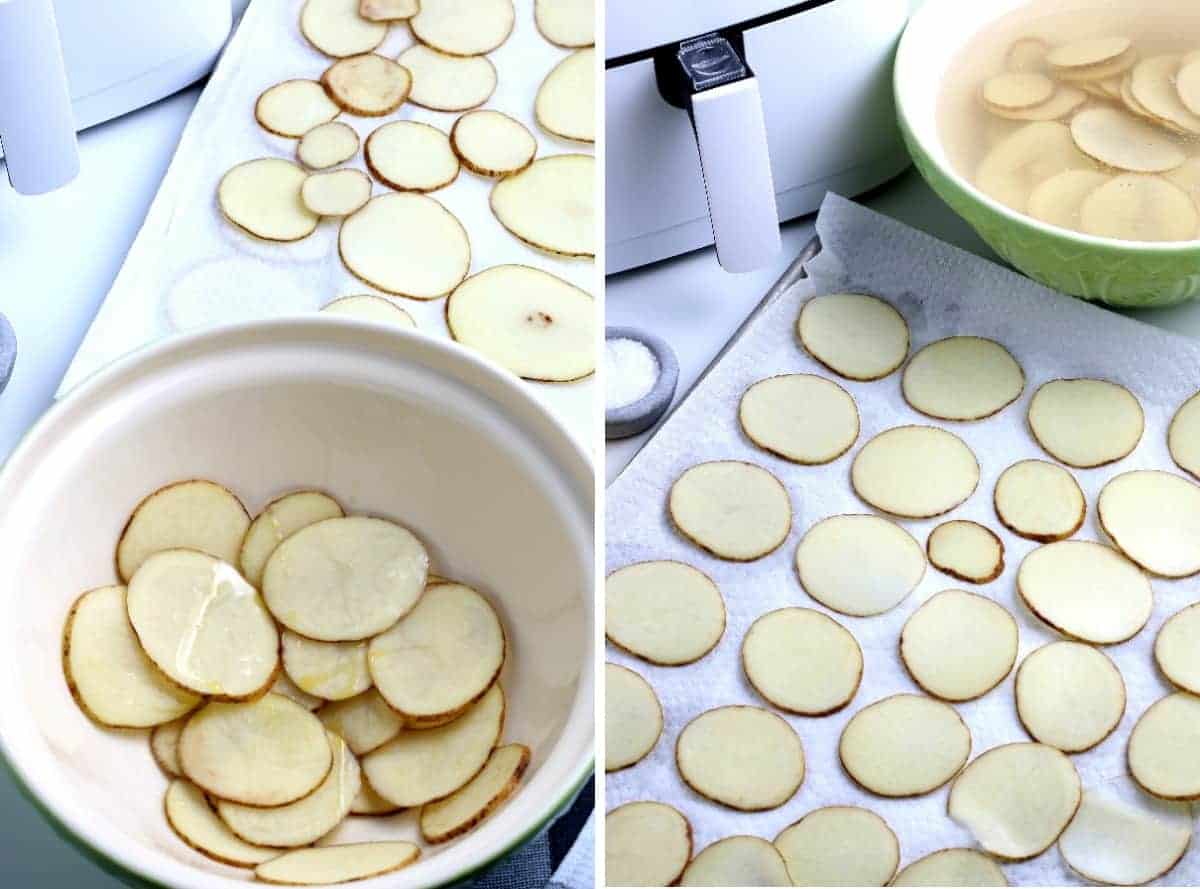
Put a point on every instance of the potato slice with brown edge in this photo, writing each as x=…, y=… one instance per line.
x=292, y=108
x=411, y=156
x=325, y=865
x=737, y=861
x=1153, y=517
x=464, y=809
x=191, y=816
x=327, y=145
x=1039, y=501
x=365, y=721
x=1015, y=90
x=1118, y=140
x=646, y=844
x=1177, y=649
x=962, y=378
x=801, y=417
x=262, y=198
x=1183, y=435
x=388, y=10
x=565, y=103
x=664, y=612
x=1187, y=83
x=856, y=336
x=1162, y=748
x=287, y=688
x=1115, y=843
x=952, y=867
x=463, y=29
x=164, y=746
x=335, y=28
x=567, y=23
x=839, y=846
x=801, y=661
x=966, y=551
x=1032, y=154
x=492, y=144
x=1069, y=696
x=1086, y=423
x=268, y=753
x=337, y=192
x=1152, y=83
x=368, y=307
x=1065, y=100
x=368, y=85
x=443, y=82
x=633, y=720
x=334, y=671
x=1093, y=74
x=737, y=511
x=550, y=205
x=368, y=802
x=1060, y=198
x=279, y=520
x=959, y=646
x=109, y=676
x=915, y=472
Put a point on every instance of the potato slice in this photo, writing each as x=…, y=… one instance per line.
x=464, y=809
x=327, y=145
x=962, y=378
x=262, y=198
x=959, y=646
x=324, y=865
x=952, y=867
x=333, y=671
x=368, y=85
x=192, y=818
x=164, y=746
x=287, y=688
x=859, y=565
x=633, y=717
x=345, y=579
x=1065, y=100
x=742, y=757
x=664, y=612
x=388, y=10
x=905, y=745
x=1177, y=649
x=335, y=28
x=1060, y=198
x=292, y=108
x=565, y=105
x=365, y=721
x=840, y=846
x=368, y=307
x=1153, y=517
x=1187, y=84
x=801, y=661
x=368, y=802
x=1117, y=844
x=1089, y=51
x=1016, y=799
x=1069, y=696
x=1086, y=590
x=109, y=676
x=1162, y=748
x=801, y=417
x=737, y=861
x=1026, y=55
x=1031, y=155
x=415, y=768
x=1118, y=140
x=1152, y=83
x=411, y=156
x=1093, y=74
x=533, y=323
x=734, y=510
x=199, y=515
x=1015, y=90
x=279, y=520
x=1086, y=423
x=268, y=753
x=443, y=82
x=1039, y=501
x=463, y=29
x=492, y=144
x=550, y=204
x=406, y=245
x=966, y=551
x=336, y=193
x=646, y=844
x=1183, y=436
x=856, y=336
x=916, y=472
x=567, y=23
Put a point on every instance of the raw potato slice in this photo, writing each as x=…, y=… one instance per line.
x=1177, y=649
x=345, y=579
x=467, y=807
x=388, y=10
x=839, y=846
x=406, y=245
x=268, y=753
x=492, y=144
x=108, y=674
x=368, y=85
x=952, y=867
x=366, y=721
x=856, y=336
x=463, y=27
x=410, y=156
x=336, y=193
x=801, y=661
x=368, y=802
x=1086, y=590
x=419, y=767
x=959, y=646
x=1065, y=100
x=962, y=378
x=859, y=565
x=737, y=861
x=1187, y=83
x=666, y=613
x=915, y=471
x=368, y=307
x=1060, y=198
x=192, y=818
x=1117, y=844
x=294, y=107
x=334, y=671
x=1069, y=696
x=533, y=323
x=197, y=515
x=448, y=83
x=1092, y=51
x=1039, y=501
x=1162, y=748
x=742, y=757
x=966, y=551
x=737, y=511
x=1152, y=83
x=646, y=844
x=550, y=204
x=565, y=105
x=277, y=522
x=1026, y=158
x=1013, y=91
x=262, y=198
x=801, y=417
x=1086, y=423
x=164, y=746
x=327, y=145
x=284, y=686
x=335, y=28
x=306, y=820
x=1101, y=71
x=633, y=717
x=1153, y=517
x=1183, y=436
x=1026, y=55
x=324, y=865
x=567, y=23
x=1016, y=799
x=905, y=745
x=1114, y=138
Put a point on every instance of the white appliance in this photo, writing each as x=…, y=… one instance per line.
x=724, y=119
x=70, y=64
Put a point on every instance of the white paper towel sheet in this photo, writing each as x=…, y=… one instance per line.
x=190, y=269
x=941, y=291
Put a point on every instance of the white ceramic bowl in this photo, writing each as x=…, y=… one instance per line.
x=391, y=423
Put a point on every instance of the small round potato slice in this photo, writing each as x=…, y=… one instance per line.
x=1031, y=155
x=1086, y=423
x=736, y=511
x=1069, y=696
x=365, y=721
x=1162, y=748
x=336, y=193
x=1060, y=198
x=664, y=612
x=462, y=810
x=1187, y=83
x=443, y=82
x=646, y=844
x=565, y=103
x=1177, y=649
x=856, y=336
x=388, y=10
x=1153, y=517
x=1094, y=74
x=335, y=28
x=463, y=29
x=952, y=867
x=567, y=23
x=1065, y=100
x=164, y=746
x=1117, y=844
x=1119, y=140
x=962, y=378
x=292, y=108
x=368, y=85
x=915, y=472
x=737, y=861
x=278, y=521
x=966, y=551
x=327, y=145
x=1026, y=55
x=191, y=816
x=411, y=156
x=368, y=307
x=262, y=198
x=324, y=865
x=801, y=417
x=1152, y=83
x=333, y=671
x=1183, y=436
x=1039, y=501
x=959, y=646
x=492, y=144
x=840, y=846
x=801, y=661
x=550, y=204
x=633, y=717
x=1090, y=51
x=1013, y=90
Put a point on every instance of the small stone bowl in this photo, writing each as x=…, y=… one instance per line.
x=634, y=418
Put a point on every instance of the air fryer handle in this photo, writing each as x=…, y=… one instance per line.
x=37, y=125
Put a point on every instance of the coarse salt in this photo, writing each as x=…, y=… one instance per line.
x=630, y=370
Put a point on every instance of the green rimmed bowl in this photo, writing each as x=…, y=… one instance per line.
x=1104, y=270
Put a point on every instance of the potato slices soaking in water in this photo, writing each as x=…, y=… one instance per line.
x=801, y=661
x=734, y=510
x=959, y=646
x=664, y=612
x=800, y=417
x=839, y=846
x=915, y=472
x=856, y=336
x=962, y=378
x=646, y=844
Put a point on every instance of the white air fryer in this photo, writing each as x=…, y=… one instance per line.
x=724, y=119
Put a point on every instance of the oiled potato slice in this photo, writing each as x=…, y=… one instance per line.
x=1065, y=100
x=1017, y=90
x=327, y=145
x=802, y=661
x=1152, y=83
x=1090, y=51
x=856, y=336
x=368, y=85
x=448, y=83
x=1177, y=649
x=1086, y=423
x=492, y=144
x=1183, y=436
x=164, y=746
x=952, y=867
x=962, y=378
x=368, y=802
x=324, y=865
x=365, y=721
x=737, y=511
x=966, y=551
x=388, y=10
x=368, y=307
x=278, y=521
x=565, y=104
x=1039, y=501
x=1162, y=748
x=1060, y=198
x=633, y=717
x=1114, y=138
x=839, y=846
x=737, y=861
x=1069, y=696
x=333, y=671
x=915, y=471
x=262, y=198
x=1135, y=207
x=463, y=29
x=801, y=417
x=191, y=816
x=1153, y=517
x=287, y=688
x=458, y=813
x=336, y=193
x=335, y=28
x=1117, y=844
x=646, y=844
x=959, y=646
x=294, y=107
x=550, y=204
x=664, y=612
x=410, y=156
x=1028, y=157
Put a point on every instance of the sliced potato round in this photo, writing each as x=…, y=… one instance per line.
x=1162, y=748
x=1086, y=423
x=566, y=23
x=365, y=721
x=345, y=579
x=1177, y=649
x=1065, y=100
x=1117, y=844
x=565, y=104
x=1016, y=799
x=856, y=336
x=532, y=322
x=664, y=612
x=959, y=646
x=294, y=107
x=962, y=378
x=368, y=802
x=802, y=661
x=1153, y=517
x=1093, y=74
x=278, y=521
x=492, y=144
x=411, y=156
x=1086, y=590
x=267, y=753
x=333, y=671
x=1017, y=90
x=448, y=83
x=1187, y=83
x=1183, y=436
x=550, y=204
x=801, y=417
x=1135, y=207
x=1069, y=696
x=164, y=746
x=191, y=816
x=1031, y=155
x=337, y=192
x=458, y=813
x=646, y=844
x=287, y=688
x=905, y=745
x=109, y=674
x=388, y=10
x=1152, y=83
x=1026, y=55
x=742, y=757
x=859, y=565
x=463, y=29
x=734, y=510
x=840, y=846
x=915, y=471
x=369, y=85
x=262, y=198
x=335, y=28
x=1089, y=51
x=737, y=861
x=197, y=515
x=966, y=551
x=324, y=865
x=327, y=145
x=369, y=307
x=1039, y=501
x=406, y=245
x=952, y=867
x=1115, y=138
x=1060, y=198
x=633, y=717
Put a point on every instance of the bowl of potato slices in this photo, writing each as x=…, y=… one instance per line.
x=300, y=602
